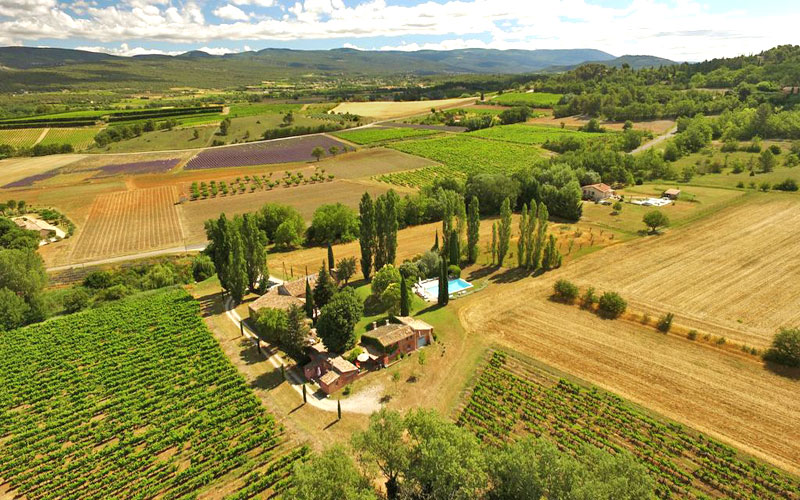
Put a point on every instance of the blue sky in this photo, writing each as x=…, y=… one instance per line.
x=677, y=29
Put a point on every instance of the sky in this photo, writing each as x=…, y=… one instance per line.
x=681, y=30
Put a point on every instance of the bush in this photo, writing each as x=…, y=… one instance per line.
x=589, y=297
x=565, y=291
x=76, y=300
x=785, y=348
x=692, y=335
x=97, y=280
x=775, y=149
x=271, y=324
x=787, y=185
x=611, y=305
x=202, y=268
x=334, y=223
x=115, y=292
x=454, y=271
x=665, y=322
x=387, y=275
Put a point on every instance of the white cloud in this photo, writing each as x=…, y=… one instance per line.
x=231, y=13
x=127, y=51
x=684, y=29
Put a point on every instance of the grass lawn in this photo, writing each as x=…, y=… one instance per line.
x=695, y=202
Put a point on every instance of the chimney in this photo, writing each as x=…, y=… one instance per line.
x=374, y=325
x=387, y=321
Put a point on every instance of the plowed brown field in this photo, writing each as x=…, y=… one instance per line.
x=130, y=221
x=739, y=264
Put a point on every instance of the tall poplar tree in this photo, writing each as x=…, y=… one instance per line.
x=473, y=230
x=454, y=249
x=541, y=235
x=367, y=234
x=255, y=249
x=504, y=231
x=237, y=264
x=523, y=229
x=494, y=242
x=533, y=217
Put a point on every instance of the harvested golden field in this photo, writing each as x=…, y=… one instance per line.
x=14, y=169
x=305, y=198
x=128, y=222
x=384, y=110
x=734, y=398
x=735, y=274
x=657, y=127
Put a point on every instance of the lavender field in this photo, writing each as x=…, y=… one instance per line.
x=264, y=153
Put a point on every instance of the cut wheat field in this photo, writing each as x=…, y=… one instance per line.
x=130, y=221
x=383, y=110
x=735, y=274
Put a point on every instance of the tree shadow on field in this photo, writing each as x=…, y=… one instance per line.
x=481, y=272
x=512, y=275
x=782, y=370
x=210, y=304
x=250, y=354
x=268, y=380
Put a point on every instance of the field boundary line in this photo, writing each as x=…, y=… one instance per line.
x=41, y=136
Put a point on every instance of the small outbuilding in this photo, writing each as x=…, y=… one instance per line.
x=597, y=192
x=672, y=193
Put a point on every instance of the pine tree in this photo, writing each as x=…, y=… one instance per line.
x=473, y=230
x=541, y=232
x=331, y=262
x=523, y=229
x=454, y=249
x=324, y=289
x=367, y=235
x=504, y=231
x=309, y=300
x=494, y=242
x=405, y=300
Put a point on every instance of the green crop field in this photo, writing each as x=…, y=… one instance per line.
x=375, y=134
x=132, y=400
x=262, y=109
x=80, y=138
x=532, y=99
x=460, y=156
x=20, y=138
x=528, y=134
x=513, y=398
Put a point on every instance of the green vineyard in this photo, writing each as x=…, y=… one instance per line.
x=460, y=156
x=379, y=134
x=513, y=398
x=133, y=400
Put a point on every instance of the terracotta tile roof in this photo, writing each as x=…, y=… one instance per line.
x=672, y=192
x=390, y=334
x=274, y=300
x=416, y=324
x=329, y=377
x=297, y=288
x=600, y=187
x=341, y=365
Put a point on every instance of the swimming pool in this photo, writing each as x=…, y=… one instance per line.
x=453, y=286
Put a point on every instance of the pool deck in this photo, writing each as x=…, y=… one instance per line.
x=421, y=288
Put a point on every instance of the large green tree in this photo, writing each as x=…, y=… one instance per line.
x=330, y=476
x=384, y=444
x=337, y=320
x=255, y=250
x=325, y=288
x=473, y=230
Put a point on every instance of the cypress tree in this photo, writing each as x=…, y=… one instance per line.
x=324, y=289
x=504, y=231
x=454, y=249
x=331, y=263
x=309, y=300
x=367, y=234
x=523, y=229
x=473, y=230
x=436, y=242
x=443, y=295
x=405, y=302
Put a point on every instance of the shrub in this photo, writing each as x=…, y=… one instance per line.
x=454, y=271
x=611, y=305
x=787, y=185
x=97, y=280
x=785, y=348
x=665, y=322
x=589, y=297
x=387, y=275
x=202, y=268
x=76, y=300
x=565, y=291
x=775, y=149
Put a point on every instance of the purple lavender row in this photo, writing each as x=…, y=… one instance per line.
x=139, y=167
x=28, y=181
x=283, y=151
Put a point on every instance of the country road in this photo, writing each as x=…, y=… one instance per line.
x=122, y=258
x=658, y=140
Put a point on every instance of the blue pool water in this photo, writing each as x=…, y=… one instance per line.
x=453, y=286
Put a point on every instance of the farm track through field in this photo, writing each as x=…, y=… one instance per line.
x=130, y=221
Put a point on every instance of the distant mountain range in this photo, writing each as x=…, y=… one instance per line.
x=348, y=60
